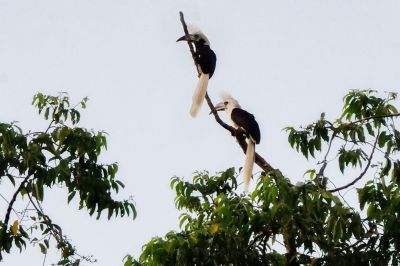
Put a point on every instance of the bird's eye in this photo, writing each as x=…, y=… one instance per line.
x=225, y=103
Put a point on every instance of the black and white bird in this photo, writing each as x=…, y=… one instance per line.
x=206, y=60
x=245, y=121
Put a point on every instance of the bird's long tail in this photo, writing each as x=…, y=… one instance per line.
x=199, y=94
x=248, y=164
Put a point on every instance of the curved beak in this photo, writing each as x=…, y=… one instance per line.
x=219, y=107
x=183, y=38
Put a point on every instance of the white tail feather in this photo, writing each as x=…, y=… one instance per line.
x=199, y=94
x=248, y=164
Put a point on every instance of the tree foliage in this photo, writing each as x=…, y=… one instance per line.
x=63, y=155
x=309, y=223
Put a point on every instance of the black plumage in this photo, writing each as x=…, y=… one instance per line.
x=206, y=57
x=247, y=122
x=206, y=60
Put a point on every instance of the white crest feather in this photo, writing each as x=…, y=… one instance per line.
x=196, y=30
x=225, y=96
x=193, y=29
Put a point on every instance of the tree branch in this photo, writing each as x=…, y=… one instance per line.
x=15, y=212
x=320, y=174
x=291, y=252
x=374, y=117
x=7, y=217
x=10, y=207
x=259, y=160
x=189, y=42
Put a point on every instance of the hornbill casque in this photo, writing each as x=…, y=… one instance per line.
x=206, y=60
x=242, y=119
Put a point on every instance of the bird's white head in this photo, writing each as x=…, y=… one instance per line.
x=196, y=35
x=228, y=103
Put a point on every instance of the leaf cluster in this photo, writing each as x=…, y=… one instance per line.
x=221, y=227
x=63, y=155
x=310, y=221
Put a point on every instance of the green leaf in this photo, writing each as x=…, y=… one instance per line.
x=337, y=230
x=304, y=150
x=363, y=196
x=392, y=109
x=310, y=172
x=341, y=163
x=370, y=130
x=39, y=190
x=183, y=218
x=43, y=249
x=386, y=168
x=46, y=113
x=317, y=143
x=396, y=172
x=360, y=134
x=71, y=195
x=128, y=260
x=12, y=180
x=371, y=211
x=120, y=183
x=382, y=139
x=46, y=243
x=311, y=147
x=174, y=180
x=291, y=138
x=110, y=212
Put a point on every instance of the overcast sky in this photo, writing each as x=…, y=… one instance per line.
x=285, y=61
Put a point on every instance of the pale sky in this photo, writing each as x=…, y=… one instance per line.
x=285, y=62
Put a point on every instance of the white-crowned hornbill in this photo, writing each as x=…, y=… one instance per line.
x=242, y=119
x=206, y=60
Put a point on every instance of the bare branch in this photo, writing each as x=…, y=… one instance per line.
x=259, y=160
x=189, y=42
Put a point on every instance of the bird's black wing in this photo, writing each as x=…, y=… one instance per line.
x=206, y=59
x=246, y=121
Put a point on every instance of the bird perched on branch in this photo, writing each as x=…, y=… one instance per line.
x=245, y=121
x=206, y=61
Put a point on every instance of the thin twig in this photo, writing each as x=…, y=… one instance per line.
x=16, y=213
x=25, y=211
x=51, y=123
x=56, y=234
x=325, y=161
x=362, y=173
x=374, y=117
x=366, y=142
x=7, y=218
